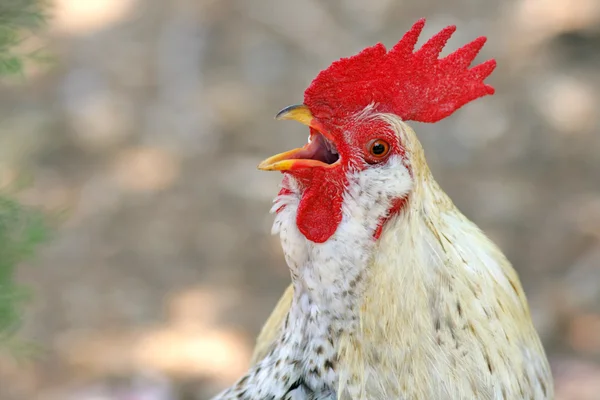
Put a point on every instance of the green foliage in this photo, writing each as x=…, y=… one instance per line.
x=21, y=228
x=18, y=20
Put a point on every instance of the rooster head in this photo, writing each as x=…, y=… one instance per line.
x=348, y=108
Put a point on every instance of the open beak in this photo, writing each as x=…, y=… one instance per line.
x=320, y=151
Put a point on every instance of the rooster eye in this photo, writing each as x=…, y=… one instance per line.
x=378, y=148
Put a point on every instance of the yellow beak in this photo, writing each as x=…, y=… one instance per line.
x=292, y=159
x=298, y=112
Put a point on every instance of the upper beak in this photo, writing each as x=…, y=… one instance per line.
x=298, y=112
x=293, y=159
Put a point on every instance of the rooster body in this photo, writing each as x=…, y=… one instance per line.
x=404, y=299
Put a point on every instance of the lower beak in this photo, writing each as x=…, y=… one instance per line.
x=293, y=159
x=289, y=161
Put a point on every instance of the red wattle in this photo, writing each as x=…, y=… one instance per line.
x=320, y=210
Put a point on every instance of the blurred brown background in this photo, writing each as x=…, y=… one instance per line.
x=147, y=131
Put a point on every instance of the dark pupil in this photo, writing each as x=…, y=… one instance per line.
x=378, y=149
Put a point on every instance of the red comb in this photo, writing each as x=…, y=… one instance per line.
x=415, y=85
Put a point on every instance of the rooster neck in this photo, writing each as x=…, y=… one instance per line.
x=329, y=282
x=330, y=274
x=442, y=313
x=330, y=278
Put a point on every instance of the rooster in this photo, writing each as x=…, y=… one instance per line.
x=395, y=294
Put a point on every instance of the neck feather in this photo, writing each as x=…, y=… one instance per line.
x=435, y=299
x=331, y=273
x=329, y=281
x=438, y=290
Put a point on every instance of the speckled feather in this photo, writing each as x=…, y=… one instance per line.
x=443, y=314
x=395, y=294
x=329, y=282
